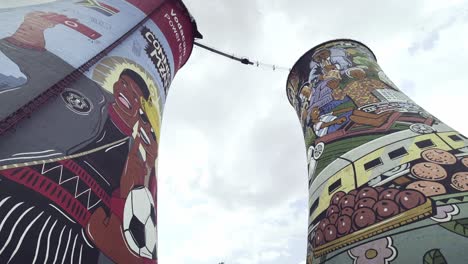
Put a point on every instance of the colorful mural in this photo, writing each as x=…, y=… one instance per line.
x=388, y=182
x=85, y=161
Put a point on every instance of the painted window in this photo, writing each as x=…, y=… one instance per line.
x=373, y=164
x=398, y=153
x=425, y=144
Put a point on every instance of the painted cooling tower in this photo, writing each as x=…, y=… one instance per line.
x=82, y=90
x=388, y=182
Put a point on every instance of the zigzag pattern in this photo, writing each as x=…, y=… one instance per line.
x=75, y=179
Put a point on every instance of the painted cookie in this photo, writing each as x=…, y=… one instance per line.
x=429, y=171
x=428, y=188
x=460, y=181
x=465, y=162
x=439, y=156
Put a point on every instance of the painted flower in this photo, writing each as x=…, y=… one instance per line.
x=445, y=213
x=380, y=251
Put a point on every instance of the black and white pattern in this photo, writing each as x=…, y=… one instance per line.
x=32, y=230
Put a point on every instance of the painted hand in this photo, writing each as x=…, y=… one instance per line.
x=107, y=234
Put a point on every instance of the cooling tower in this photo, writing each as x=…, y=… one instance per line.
x=388, y=182
x=82, y=90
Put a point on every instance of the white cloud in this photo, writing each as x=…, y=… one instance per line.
x=245, y=201
x=232, y=175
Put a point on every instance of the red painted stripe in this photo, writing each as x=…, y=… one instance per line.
x=51, y=190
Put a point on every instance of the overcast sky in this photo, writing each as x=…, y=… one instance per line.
x=232, y=168
x=232, y=164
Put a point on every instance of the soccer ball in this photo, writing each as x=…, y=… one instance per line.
x=139, y=223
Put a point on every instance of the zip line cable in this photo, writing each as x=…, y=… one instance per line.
x=242, y=60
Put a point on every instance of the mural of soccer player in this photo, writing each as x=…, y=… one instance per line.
x=82, y=187
x=122, y=121
x=132, y=108
x=127, y=140
x=117, y=127
x=134, y=115
x=127, y=92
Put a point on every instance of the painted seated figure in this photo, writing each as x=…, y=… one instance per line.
x=388, y=182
